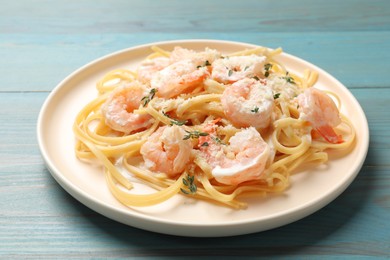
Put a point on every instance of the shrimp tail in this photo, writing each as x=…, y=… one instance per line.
x=329, y=134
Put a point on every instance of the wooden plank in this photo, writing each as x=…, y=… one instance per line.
x=176, y=16
x=39, y=62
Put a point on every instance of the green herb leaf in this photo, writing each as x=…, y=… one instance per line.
x=276, y=96
x=166, y=114
x=267, y=68
x=188, y=181
x=218, y=140
x=255, y=110
x=175, y=121
x=149, y=97
x=194, y=134
x=205, y=144
x=230, y=73
x=207, y=63
x=193, y=188
x=289, y=79
x=178, y=122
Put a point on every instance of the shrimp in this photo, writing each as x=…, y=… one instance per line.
x=149, y=67
x=180, y=77
x=119, y=106
x=248, y=102
x=188, y=69
x=166, y=150
x=243, y=159
x=319, y=109
x=232, y=69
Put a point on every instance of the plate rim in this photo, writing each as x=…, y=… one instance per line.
x=198, y=229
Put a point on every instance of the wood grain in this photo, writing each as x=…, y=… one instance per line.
x=357, y=60
x=175, y=16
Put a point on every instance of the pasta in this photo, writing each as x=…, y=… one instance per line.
x=212, y=126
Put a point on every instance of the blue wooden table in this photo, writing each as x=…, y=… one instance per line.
x=41, y=42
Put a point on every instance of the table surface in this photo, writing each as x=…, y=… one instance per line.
x=41, y=42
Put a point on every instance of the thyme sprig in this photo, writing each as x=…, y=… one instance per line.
x=194, y=134
x=175, y=121
x=178, y=122
x=255, y=110
x=218, y=140
x=207, y=63
x=149, y=97
x=289, y=79
x=267, y=68
x=191, y=187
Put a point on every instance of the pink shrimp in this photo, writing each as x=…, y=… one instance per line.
x=232, y=69
x=188, y=69
x=243, y=159
x=248, y=102
x=166, y=150
x=149, y=67
x=319, y=109
x=179, y=77
x=119, y=106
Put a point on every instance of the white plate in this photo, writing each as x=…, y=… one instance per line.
x=310, y=190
